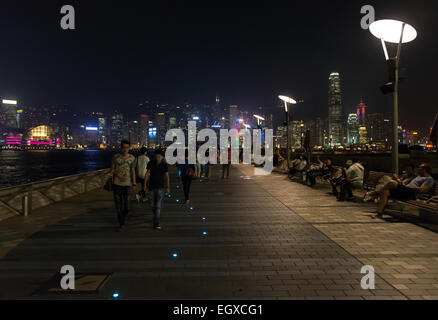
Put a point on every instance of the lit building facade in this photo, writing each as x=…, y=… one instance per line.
x=335, y=111
x=353, y=136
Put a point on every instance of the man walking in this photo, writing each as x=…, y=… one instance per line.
x=123, y=175
x=157, y=181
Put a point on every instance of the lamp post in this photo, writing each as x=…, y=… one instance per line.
x=259, y=119
x=286, y=101
x=398, y=32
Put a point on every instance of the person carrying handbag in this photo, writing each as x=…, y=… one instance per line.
x=187, y=173
x=141, y=168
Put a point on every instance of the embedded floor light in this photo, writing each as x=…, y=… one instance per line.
x=175, y=255
x=116, y=295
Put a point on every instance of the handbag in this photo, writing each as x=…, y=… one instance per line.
x=190, y=173
x=109, y=184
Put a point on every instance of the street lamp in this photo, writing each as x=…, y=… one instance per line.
x=287, y=100
x=259, y=118
x=394, y=31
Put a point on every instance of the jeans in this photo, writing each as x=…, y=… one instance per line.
x=156, y=200
x=186, y=186
x=121, y=199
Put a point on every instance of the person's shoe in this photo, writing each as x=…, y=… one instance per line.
x=137, y=196
x=158, y=228
x=187, y=202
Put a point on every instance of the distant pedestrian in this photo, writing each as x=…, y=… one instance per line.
x=124, y=179
x=157, y=182
x=187, y=174
x=141, y=168
x=205, y=169
x=226, y=167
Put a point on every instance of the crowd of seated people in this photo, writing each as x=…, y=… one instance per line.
x=408, y=186
x=323, y=169
x=346, y=179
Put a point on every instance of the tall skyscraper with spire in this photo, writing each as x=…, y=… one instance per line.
x=335, y=112
x=361, y=113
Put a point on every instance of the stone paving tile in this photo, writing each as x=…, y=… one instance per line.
x=267, y=239
x=403, y=254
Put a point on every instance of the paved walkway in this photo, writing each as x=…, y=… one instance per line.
x=266, y=238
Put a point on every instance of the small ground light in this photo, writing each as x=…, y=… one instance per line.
x=204, y=218
x=177, y=187
x=116, y=295
x=175, y=255
x=177, y=200
x=191, y=208
x=204, y=233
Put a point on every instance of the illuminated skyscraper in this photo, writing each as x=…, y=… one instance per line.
x=116, y=129
x=361, y=113
x=353, y=129
x=233, y=120
x=376, y=127
x=336, y=122
x=9, y=111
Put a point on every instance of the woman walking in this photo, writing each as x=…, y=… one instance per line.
x=187, y=174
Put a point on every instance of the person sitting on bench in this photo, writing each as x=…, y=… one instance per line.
x=395, y=189
x=354, y=176
x=299, y=165
x=324, y=169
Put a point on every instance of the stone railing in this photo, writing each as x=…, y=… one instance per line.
x=22, y=200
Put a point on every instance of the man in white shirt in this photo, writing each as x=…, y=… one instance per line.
x=142, y=163
x=354, y=176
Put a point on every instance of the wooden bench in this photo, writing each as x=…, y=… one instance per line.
x=372, y=178
x=427, y=201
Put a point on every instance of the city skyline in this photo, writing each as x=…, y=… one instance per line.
x=98, y=67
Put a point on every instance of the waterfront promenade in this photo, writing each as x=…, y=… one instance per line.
x=267, y=238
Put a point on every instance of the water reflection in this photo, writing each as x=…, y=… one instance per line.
x=19, y=167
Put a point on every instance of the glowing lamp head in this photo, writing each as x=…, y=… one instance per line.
x=116, y=295
x=259, y=117
x=287, y=99
x=204, y=233
x=390, y=31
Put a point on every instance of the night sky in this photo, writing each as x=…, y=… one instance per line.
x=183, y=51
